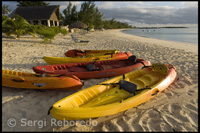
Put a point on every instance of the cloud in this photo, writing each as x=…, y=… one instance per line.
x=190, y=4
x=63, y=5
x=153, y=15
x=139, y=12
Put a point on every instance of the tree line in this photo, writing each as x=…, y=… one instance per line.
x=88, y=14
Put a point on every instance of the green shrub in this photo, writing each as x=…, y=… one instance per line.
x=47, y=34
x=17, y=26
x=40, y=27
x=4, y=17
x=64, y=32
x=57, y=29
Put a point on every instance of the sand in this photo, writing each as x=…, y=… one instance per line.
x=175, y=109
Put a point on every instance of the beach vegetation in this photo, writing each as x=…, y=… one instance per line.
x=17, y=26
x=98, y=22
x=57, y=29
x=47, y=34
x=32, y=30
x=4, y=17
x=91, y=16
x=86, y=13
x=5, y=9
x=64, y=32
x=70, y=14
x=113, y=24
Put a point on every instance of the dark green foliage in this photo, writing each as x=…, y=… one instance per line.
x=91, y=16
x=64, y=32
x=4, y=17
x=61, y=19
x=113, y=24
x=17, y=26
x=98, y=23
x=86, y=14
x=32, y=3
x=5, y=9
x=57, y=29
x=47, y=34
x=70, y=14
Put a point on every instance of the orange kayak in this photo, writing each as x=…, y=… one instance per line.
x=79, y=52
x=37, y=81
x=62, y=60
x=96, y=69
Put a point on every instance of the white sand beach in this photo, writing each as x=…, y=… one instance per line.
x=175, y=109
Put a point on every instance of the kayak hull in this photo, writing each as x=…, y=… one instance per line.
x=62, y=60
x=98, y=100
x=31, y=81
x=79, y=52
x=103, y=69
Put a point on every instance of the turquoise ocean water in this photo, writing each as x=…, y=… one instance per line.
x=187, y=35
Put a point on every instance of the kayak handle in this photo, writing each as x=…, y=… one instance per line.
x=155, y=93
x=19, y=80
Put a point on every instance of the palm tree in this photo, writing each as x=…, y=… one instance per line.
x=5, y=9
x=4, y=17
x=18, y=26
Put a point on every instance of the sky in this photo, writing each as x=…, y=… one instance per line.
x=140, y=13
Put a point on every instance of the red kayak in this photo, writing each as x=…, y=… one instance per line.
x=98, y=69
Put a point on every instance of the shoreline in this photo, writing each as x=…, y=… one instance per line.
x=175, y=109
x=189, y=47
x=162, y=39
x=189, y=43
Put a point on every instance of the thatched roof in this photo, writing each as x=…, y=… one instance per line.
x=36, y=12
x=78, y=24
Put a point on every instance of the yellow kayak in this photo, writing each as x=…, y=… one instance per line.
x=79, y=52
x=115, y=95
x=62, y=60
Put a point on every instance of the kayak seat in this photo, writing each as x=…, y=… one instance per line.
x=92, y=67
x=128, y=86
x=132, y=58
